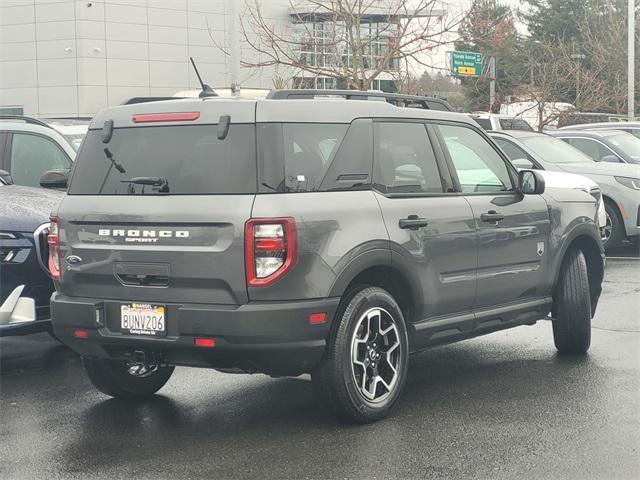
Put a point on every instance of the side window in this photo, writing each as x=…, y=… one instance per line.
x=594, y=149
x=351, y=166
x=3, y=143
x=32, y=155
x=404, y=159
x=480, y=168
x=308, y=151
x=511, y=150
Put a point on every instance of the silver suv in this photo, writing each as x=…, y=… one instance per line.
x=323, y=236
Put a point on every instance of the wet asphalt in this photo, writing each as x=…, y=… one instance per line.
x=503, y=406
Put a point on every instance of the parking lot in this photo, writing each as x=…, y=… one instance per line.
x=500, y=406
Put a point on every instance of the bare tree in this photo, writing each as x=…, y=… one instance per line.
x=555, y=72
x=338, y=38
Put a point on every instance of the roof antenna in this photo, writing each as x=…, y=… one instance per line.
x=207, y=91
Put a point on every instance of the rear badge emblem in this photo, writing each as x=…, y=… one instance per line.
x=73, y=259
x=540, y=249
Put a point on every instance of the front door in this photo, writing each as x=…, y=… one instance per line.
x=513, y=229
x=431, y=230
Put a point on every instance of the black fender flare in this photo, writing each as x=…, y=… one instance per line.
x=378, y=257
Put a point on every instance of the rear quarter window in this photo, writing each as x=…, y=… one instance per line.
x=310, y=157
x=191, y=158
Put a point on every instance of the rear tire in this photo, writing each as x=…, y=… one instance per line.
x=112, y=378
x=572, y=306
x=365, y=364
x=615, y=227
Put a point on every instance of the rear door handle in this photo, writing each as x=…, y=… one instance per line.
x=413, y=222
x=491, y=217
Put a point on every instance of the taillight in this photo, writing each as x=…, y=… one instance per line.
x=53, y=239
x=271, y=249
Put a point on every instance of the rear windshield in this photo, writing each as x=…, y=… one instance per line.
x=185, y=160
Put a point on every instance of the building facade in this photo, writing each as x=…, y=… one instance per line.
x=70, y=58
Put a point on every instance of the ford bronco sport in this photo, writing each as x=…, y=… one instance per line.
x=323, y=236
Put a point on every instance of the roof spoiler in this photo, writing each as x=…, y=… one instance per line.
x=135, y=100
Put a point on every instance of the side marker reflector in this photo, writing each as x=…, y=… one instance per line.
x=317, y=318
x=81, y=333
x=204, y=342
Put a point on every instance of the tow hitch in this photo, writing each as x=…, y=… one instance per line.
x=143, y=364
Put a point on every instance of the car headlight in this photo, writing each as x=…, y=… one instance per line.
x=629, y=182
x=9, y=235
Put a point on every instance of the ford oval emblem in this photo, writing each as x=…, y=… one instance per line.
x=73, y=259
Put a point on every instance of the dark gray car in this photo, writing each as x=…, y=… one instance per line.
x=327, y=236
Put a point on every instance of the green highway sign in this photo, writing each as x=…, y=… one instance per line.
x=466, y=64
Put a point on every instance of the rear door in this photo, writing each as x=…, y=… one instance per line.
x=431, y=230
x=180, y=240
x=513, y=229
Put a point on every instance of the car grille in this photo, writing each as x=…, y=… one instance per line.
x=8, y=254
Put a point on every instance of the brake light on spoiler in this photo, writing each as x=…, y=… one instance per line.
x=271, y=249
x=165, y=117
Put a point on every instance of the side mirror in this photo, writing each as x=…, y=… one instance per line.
x=522, y=164
x=610, y=159
x=6, y=177
x=530, y=182
x=58, y=179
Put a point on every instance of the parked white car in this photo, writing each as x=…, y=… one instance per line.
x=496, y=122
x=579, y=182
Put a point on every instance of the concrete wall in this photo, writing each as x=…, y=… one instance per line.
x=71, y=57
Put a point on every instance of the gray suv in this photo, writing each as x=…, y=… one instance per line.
x=324, y=236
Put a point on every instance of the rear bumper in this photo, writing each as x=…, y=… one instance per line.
x=274, y=338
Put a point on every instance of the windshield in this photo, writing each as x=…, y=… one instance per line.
x=554, y=150
x=626, y=142
x=181, y=160
x=75, y=140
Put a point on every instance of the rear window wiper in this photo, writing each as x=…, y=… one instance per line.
x=151, y=181
x=109, y=155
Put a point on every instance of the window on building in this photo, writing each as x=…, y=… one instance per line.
x=321, y=44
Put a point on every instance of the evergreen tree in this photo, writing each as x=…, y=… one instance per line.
x=488, y=28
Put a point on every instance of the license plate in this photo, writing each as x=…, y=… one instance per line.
x=143, y=319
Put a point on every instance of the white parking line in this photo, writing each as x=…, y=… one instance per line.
x=623, y=258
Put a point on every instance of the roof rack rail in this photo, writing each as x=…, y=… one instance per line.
x=397, y=99
x=135, y=100
x=30, y=120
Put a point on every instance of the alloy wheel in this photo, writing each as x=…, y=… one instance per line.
x=376, y=355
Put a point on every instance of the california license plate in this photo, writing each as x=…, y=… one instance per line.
x=143, y=319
